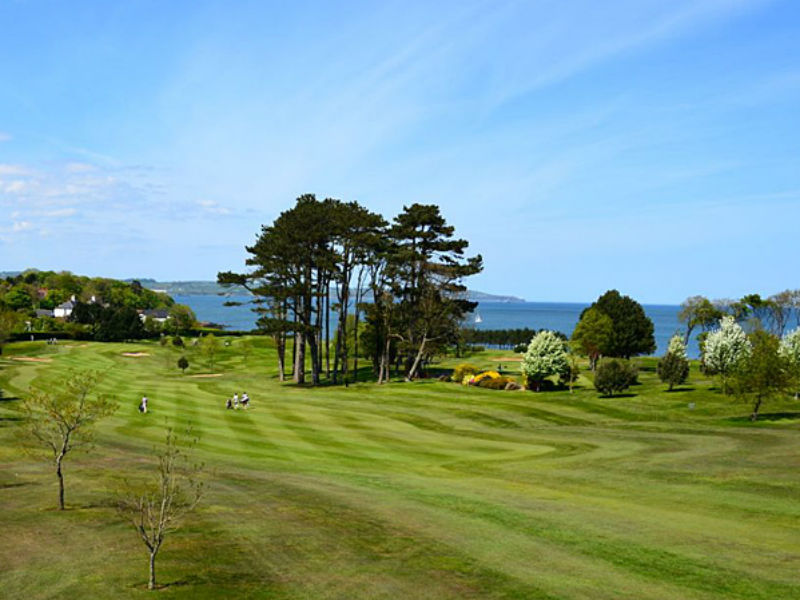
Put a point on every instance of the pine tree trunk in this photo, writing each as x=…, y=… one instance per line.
x=281, y=346
x=300, y=366
x=314, y=350
x=355, y=329
x=383, y=372
x=328, y=331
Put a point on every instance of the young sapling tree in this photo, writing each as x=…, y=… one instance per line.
x=60, y=418
x=157, y=508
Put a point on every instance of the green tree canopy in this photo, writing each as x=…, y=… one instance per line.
x=593, y=335
x=632, y=332
x=764, y=373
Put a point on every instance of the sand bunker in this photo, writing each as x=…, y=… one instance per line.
x=31, y=359
x=203, y=375
x=135, y=354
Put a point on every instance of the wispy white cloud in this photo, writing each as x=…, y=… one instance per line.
x=7, y=169
x=13, y=187
x=79, y=167
x=211, y=207
x=61, y=212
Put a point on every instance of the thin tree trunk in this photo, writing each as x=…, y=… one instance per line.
x=60, y=482
x=314, y=349
x=688, y=335
x=281, y=344
x=337, y=349
x=754, y=416
x=355, y=329
x=300, y=357
x=151, y=583
x=297, y=337
x=345, y=310
x=383, y=372
x=415, y=365
x=328, y=330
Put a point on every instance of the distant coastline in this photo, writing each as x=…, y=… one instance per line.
x=212, y=288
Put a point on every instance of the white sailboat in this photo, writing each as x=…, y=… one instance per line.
x=478, y=318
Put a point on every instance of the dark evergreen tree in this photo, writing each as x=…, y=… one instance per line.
x=427, y=266
x=632, y=332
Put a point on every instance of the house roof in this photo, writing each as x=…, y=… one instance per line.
x=156, y=313
x=67, y=304
x=43, y=312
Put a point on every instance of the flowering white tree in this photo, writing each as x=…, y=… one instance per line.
x=546, y=356
x=677, y=346
x=725, y=348
x=790, y=350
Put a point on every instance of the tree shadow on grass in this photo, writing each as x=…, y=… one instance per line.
x=615, y=396
x=681, y=389
x=779, y=416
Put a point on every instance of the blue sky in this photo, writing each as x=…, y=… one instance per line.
x=652, y=147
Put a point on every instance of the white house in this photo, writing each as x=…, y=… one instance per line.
x=64, y=309
x=156, y=314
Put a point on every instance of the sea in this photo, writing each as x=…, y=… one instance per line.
x=558, y=316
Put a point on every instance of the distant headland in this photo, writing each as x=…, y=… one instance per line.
x=212, y=288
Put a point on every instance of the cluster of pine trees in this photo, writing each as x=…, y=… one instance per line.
x=403, y=277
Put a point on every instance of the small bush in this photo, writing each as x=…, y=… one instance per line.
x=495, y=383
x=485, y=375
x=177, y=341
x=520, y=348
x=183, y=363
x=673, y=369
x=614, y=375
x=462, y=371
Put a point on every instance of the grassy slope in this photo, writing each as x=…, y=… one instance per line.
x=424, y=490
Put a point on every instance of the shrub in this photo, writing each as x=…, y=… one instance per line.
x=545, y=385
x=462, y=371
x=520, y=348
x=485, y=375
x=673, y=369
x=183, y=363
x=177, y=341
x=512, y=386
x=496, y=383
x=614, y=375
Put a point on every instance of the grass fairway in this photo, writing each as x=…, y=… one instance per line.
x=423, y=490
